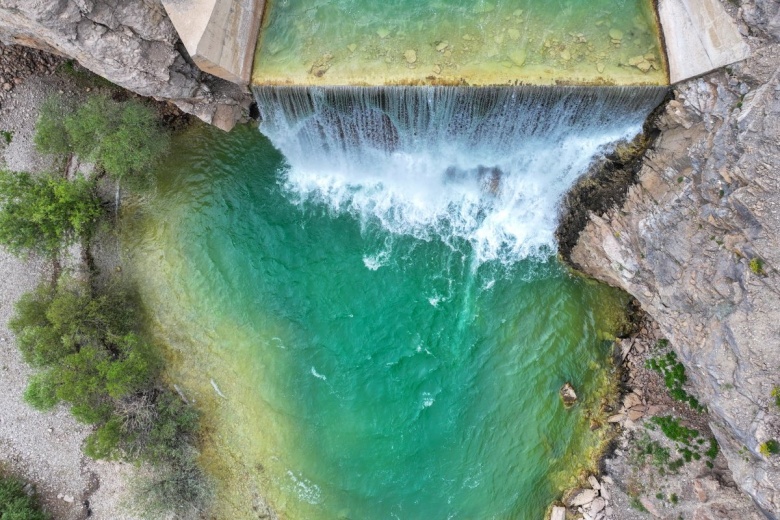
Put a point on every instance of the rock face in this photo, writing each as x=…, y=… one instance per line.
x=697, y=242
x=131, y=43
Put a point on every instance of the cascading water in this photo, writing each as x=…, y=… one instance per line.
x=379, y=307
x=482, y=165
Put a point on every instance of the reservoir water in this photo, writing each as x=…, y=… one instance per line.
x=456, y=42
x=377, y=327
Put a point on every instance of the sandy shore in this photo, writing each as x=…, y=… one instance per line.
x=44, y=448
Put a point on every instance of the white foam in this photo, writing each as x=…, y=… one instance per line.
x=435, y=300
x=375, y=261
x=484, y=167
x=305, y=489
x=318, y=375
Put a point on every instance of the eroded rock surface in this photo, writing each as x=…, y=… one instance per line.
x=131, y=43
x=697, y=242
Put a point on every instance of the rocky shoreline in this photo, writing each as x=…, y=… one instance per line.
x=694, y=239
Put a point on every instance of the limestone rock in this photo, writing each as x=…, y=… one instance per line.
x=687, y=246
x=558, y=513
x=132, y=43
x=597, y=506
x=586, y=496
x=568, y=395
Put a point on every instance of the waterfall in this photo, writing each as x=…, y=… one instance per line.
x=486, y=166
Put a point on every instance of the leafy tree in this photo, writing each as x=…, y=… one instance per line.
x=50, y=135
x=16, y=504
x=41, y=214
x=93, y=360
x=123, y=138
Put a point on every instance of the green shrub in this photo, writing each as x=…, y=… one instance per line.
x=123, y=138
x=50, y=135
x=674, y=376
x=16, y=504
x=776, y=395
x=674, y=430
x=635, y=503
x=757, y=266
x=770, y=447
x=92, y=359
x=42, y=214
x=40, y=393
x=104, y=442
x=712, y=451
x=179, y=487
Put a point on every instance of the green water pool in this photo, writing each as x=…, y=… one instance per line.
x=349, y=373
x=454, y=42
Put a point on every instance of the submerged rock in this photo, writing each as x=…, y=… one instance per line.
x=568, y=394
x=518, y=57
x=410, y=56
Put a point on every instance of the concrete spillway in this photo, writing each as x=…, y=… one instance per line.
x=498, y=43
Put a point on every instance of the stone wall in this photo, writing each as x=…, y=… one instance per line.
x=697, y=242
x=131, y=43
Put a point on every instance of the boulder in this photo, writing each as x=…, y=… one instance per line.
x=585, y=496
x=568, y=395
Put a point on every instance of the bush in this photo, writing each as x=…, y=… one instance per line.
x=179, y=487
x=674, y=376
x=50, y=135
x=42, y=214
x=122, y=138
x=84, y=343
x=757, y=266
x=674, y=430
x=16, y=504
x=770, y=447
x=93, y=359
x=776, y=395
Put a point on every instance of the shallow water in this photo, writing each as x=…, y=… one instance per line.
x=365, y=373
x=453, y=42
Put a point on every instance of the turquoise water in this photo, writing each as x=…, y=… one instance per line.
x=366, y=373
x=457, y=42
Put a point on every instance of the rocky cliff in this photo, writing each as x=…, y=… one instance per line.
x=130, y=42
x=697, y=242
